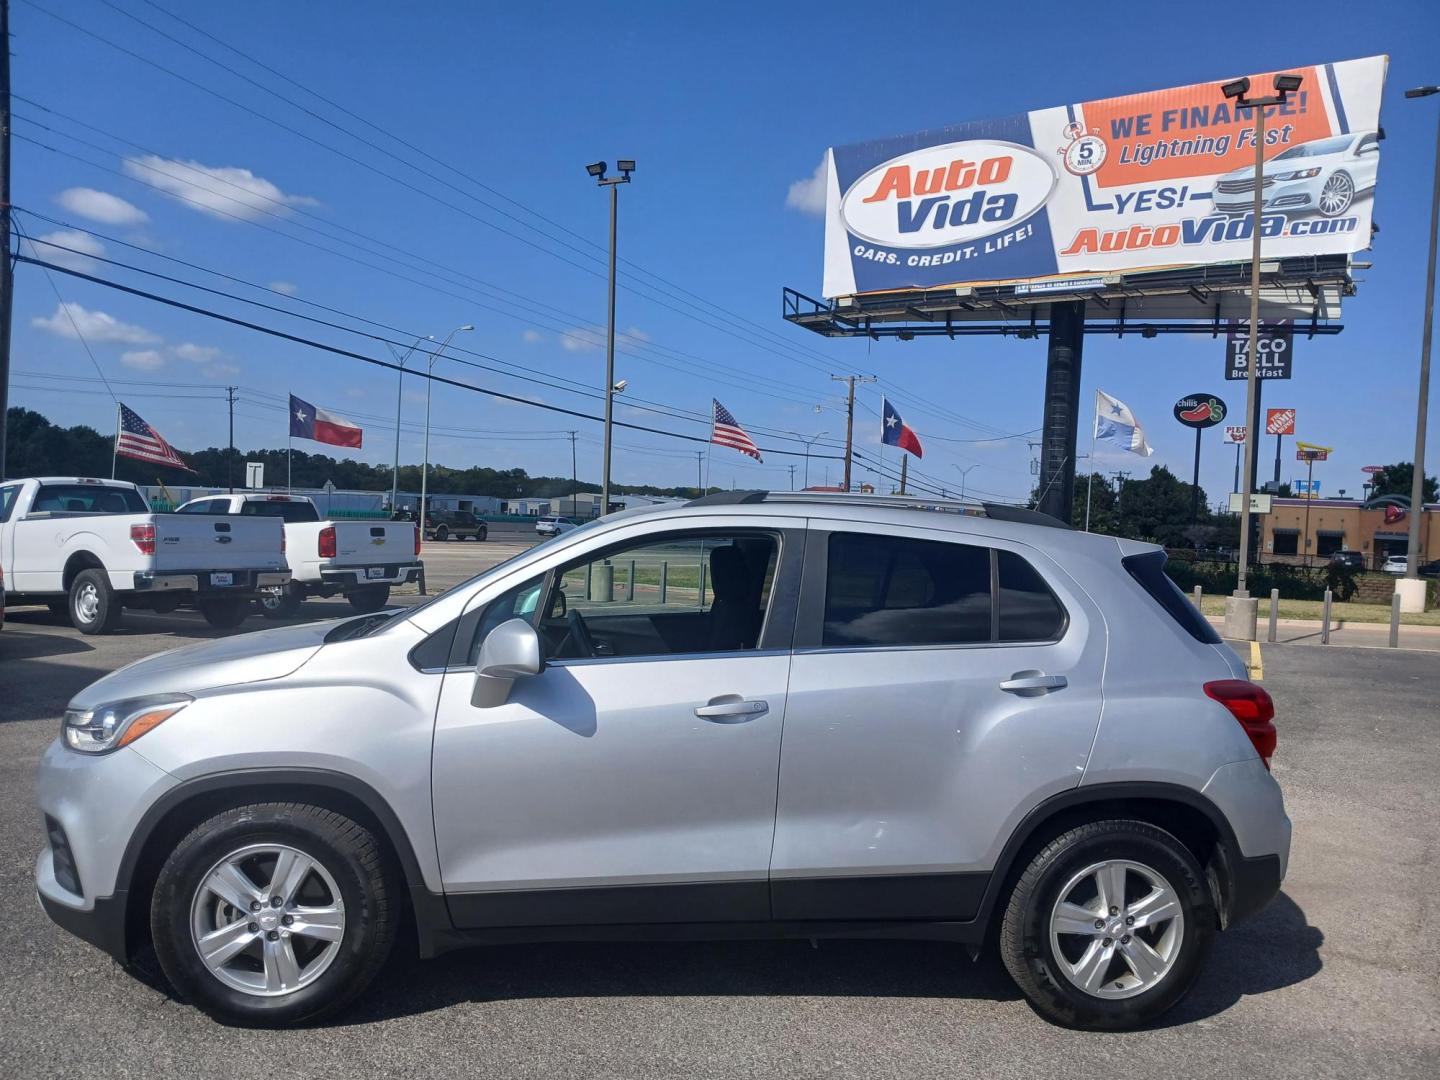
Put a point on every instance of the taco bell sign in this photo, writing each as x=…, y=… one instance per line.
x=1143, y=181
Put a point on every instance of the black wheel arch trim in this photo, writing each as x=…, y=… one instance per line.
x=260, y=781
x=1232, y=877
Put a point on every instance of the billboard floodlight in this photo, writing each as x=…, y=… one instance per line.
x=596, y=170
x=626, y=165
x=1422, y=91
x=1236, y=88
x=1287, y=84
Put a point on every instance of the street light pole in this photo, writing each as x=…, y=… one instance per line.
x=809, y=441
x=429, y=382
x=399, y=391
x=1412, y=592
x=965, y=472
x=1240, y=609
x=597, y=170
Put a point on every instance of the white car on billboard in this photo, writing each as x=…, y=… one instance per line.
x=1323, y=176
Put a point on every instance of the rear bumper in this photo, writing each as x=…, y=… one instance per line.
x=383, y=574
x=200, y=581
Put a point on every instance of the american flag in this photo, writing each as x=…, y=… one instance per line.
x=137, y=439
x=726, y=432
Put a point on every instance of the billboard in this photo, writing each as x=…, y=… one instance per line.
x=1145, y=181
x=1279, y=421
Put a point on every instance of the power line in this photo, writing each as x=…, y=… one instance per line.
x=388, y=365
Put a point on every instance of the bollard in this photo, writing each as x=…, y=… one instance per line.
x=1325, y=619
x=1274, y=612
x=602, y=583
x=704, y=566
x=664, y=579
x=630, y=595
x=1395, y=621
x=1198, y=593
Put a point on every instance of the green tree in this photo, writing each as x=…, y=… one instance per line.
x=1397, y=478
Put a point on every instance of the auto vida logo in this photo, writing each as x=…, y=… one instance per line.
x=948, y=194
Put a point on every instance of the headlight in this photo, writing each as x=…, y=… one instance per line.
x=1298, y=174
x=98, y=731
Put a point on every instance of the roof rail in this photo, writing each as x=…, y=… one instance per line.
x=996, y=511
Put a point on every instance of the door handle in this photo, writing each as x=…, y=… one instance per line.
x=731, y=709
x=1033, y=683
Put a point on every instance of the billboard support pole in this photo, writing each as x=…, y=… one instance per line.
x=1062, y=400
x=1195, y=483
x=1251, y=387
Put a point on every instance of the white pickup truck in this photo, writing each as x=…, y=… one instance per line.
x=92, y=548
x=361, y=559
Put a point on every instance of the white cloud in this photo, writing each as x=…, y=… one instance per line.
x=808, y=195
x=635, y=334
x=197, y=354
x=581, y=339
x=223, y=191
x=144, y=359
x=93, y=326
x=530, y=337
x=204, y=357
x=289, y=288
x=101, y=206
x=81, y=246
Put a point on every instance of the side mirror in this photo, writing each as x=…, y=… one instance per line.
x=509, y=652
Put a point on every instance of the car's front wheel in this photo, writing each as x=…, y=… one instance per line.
x=273, y=914
x=1337, y=195
x=1108, y=926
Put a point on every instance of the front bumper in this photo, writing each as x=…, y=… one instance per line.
x=201, y=581
x=1287, y=196
x=378, y=574
x=97, y=801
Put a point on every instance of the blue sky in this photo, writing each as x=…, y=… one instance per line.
x=724, y=108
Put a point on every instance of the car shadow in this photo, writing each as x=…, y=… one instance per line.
x=1275, y=949
x=20, y=644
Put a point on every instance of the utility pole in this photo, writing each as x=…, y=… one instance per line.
x=904, y=471
x=850, y=381
x=230, y=457
x=699, y=480
x=574, y=481
x=7, y=270
x=597, y=170
x=792, y=477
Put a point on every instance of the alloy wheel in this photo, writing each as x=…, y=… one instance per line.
x=1335, y=196
x=1116, y=929
x=273, y=939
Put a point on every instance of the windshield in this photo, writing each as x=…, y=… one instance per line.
x=1318, y=148
x=88, y=499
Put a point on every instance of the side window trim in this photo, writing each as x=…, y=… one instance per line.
x=810, y=620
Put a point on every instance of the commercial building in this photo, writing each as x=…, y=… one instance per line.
x=1376, y=529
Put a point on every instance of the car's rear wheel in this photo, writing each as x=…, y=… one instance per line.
x=273, y=914
x=224, y=612
x=1108, y=926
x=483, y=534
x=93, y=606
x=442, y=534
x=369, y=598
x=280, y=603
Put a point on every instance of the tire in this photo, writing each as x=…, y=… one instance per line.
x=280, y=605
x=224, y=612
x=93, y=606
x=335, y=957
x=1336, y=196
x=1040, y=957
x=442, y=534
x=482, y=535
x=369, y=598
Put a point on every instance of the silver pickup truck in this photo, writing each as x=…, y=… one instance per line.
x=91, y=548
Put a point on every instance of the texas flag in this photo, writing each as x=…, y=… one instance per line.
x=308, y=422
x=895, y=432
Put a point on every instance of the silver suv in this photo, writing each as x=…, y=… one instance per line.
x=757, y=715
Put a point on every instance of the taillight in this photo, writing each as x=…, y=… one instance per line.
x=327, y=542
x=417, y=541
x=1250, y=705
x=143, y=537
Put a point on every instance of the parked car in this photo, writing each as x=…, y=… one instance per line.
x=1395, y=564
x=92, y=548
x=585, y=741
x=1354, y=560
x=1429, y=569
x=553, y=526
x=1322, y=176
x=445, y=525
x=360, y=560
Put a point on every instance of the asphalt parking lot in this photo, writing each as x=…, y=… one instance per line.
x=1338, y=977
